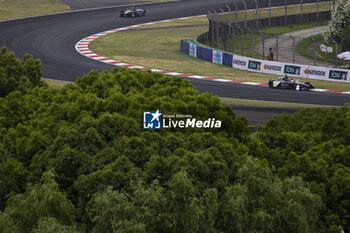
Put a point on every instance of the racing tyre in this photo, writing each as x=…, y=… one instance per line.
x=270, y=83
x=310, y=86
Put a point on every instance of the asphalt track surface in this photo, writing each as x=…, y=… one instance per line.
x=52, y=39
x=86, y=4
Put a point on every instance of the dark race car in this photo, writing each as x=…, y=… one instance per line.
x=286, y=83
x=133, y=12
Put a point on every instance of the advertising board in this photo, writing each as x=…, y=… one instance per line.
x=268, y=67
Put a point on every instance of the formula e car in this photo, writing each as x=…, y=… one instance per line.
x=286, y=83
x=133, y=12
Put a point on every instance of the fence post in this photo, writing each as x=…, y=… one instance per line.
x=263, y=45
x=208, y=16
x=233, y=39
x=336, y=52
x=242, y=39
x=245, y=15
x=293, y=48
x=223, y=29
x=230, y=15
x=318, y=11
x=269, y=13
x=276, y=37
x=252, y=41
x=314, y=42
x=212, y=30
x=256, y=14
x=301, y=11
x=285, y=12
x=236, y=13
x=217, y=30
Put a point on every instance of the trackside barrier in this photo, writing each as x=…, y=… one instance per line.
x=198, y=50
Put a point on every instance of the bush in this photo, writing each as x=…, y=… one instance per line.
x=18, y=74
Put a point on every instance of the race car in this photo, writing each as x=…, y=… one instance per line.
x=133, y=12
x=286, y=83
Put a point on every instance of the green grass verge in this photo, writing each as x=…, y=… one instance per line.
x=277, y=11
x=55, y=84
x=268, y=104
x=10, y=9
x=160, y=49
x=191, y=21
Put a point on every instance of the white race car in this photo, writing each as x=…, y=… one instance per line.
x=286, y=83
x=133, y=12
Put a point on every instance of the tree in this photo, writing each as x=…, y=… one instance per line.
x=345, y=39
x=339, y=20
x=17, y=74
x=26, y=210
x=12, y=176
x=258, y=202
x=52, y=225
x=314, y=144
x=143, y=210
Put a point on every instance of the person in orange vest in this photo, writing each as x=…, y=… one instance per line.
x=270, y=56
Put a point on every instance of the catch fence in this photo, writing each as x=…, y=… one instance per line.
x=249, y=28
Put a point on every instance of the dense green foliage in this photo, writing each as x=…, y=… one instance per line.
x=315, y=145
x=78, y=160
x=345, y=40
x=339, y=20
x=18, y=74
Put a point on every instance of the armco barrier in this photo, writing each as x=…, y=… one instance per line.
x=198, y=50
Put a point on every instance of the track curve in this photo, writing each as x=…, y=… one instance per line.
x=52, y=38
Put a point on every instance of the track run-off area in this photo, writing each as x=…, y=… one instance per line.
x=52, y=39
x=83, y=48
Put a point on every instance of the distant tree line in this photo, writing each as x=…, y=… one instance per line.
x=77, y=159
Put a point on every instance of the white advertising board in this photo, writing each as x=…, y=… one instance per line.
x=281, y=68
x=317, y=72
x=240, y=62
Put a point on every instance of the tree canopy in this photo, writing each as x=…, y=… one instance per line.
x=314, y=144
x=345, y=39
x=79, y=160
x=339, y=21
x=18, y=74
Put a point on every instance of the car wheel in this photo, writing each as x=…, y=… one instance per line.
x=309, y=85
x=270, y=83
